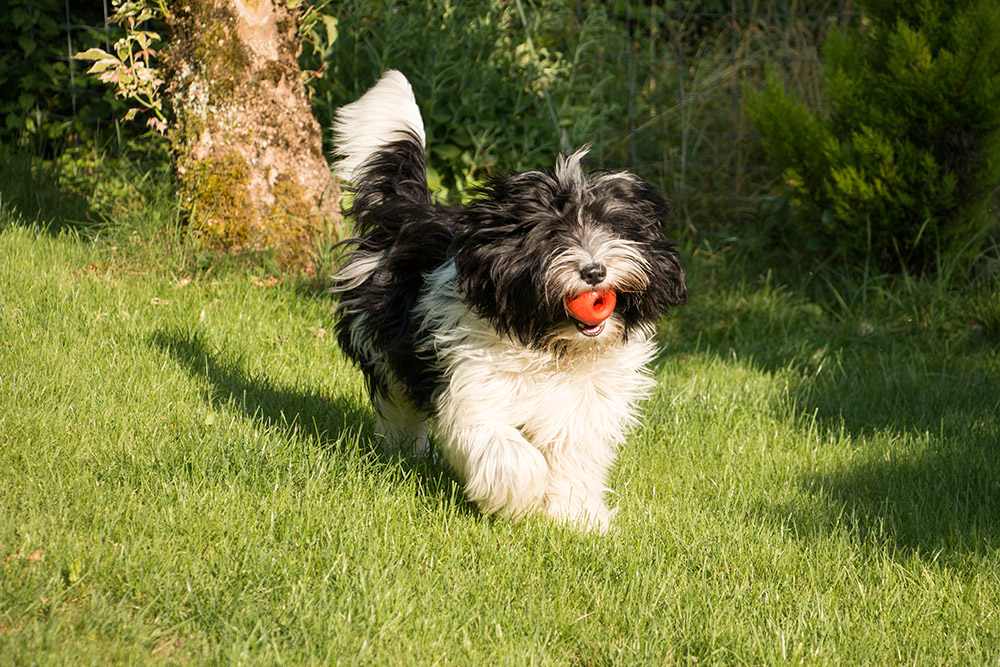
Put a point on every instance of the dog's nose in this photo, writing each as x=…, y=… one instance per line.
x=593, y=273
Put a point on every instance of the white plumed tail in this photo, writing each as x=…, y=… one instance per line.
x=387, y=112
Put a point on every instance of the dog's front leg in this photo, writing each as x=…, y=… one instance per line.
x=503, y=473
x=576, y=486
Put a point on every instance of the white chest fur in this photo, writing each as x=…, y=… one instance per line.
x=524, y=426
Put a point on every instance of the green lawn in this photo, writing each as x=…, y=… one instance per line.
x=188, y=477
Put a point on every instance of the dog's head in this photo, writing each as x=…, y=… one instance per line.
x=568, y=258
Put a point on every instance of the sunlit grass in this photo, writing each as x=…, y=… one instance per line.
x=188, y=476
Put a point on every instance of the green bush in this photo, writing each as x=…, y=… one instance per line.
x=900, y=169
x=501, y=85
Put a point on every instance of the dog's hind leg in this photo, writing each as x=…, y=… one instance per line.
x=399, y=423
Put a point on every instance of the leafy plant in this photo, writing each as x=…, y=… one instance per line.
x=44, y=97
x=501, y=85
x=131, y=67
x=900, y=169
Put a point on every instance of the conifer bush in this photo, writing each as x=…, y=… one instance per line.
x=900, y=166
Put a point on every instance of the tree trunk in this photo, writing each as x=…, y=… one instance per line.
x=247, y=149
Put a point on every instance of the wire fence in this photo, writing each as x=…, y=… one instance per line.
x=45, y=91
x=689, y=67
x=682, y=75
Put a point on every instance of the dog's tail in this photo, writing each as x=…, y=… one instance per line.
x=387, y=113
x=379, y=140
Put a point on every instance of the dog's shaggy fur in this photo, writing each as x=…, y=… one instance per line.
x=461, y=315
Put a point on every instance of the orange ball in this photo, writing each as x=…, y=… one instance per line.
x=592, y=307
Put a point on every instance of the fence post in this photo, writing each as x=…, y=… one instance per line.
x=735, y=101
x=69, y=55
x=630, y=73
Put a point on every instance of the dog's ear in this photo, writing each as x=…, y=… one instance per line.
x=674, y=290
x=501, y=243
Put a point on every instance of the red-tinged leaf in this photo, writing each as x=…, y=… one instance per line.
x=157, y=124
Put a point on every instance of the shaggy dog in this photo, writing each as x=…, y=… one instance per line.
x=519, y=324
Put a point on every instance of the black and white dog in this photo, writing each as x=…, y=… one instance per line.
x=520, y=324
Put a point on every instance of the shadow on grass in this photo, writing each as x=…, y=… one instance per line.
x=921, y=419
x=303, y=413
x=31, y=190
x=932, y=504
x=926, y=471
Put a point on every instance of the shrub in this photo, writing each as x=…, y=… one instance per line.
x=901, y=168
x=501, y=85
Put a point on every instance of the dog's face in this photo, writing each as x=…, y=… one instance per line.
x=568, y=259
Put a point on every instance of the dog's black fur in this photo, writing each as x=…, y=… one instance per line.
x=501, y=243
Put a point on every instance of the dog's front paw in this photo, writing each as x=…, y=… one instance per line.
x=507, y=478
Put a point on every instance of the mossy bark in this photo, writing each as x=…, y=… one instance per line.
x=247, y=149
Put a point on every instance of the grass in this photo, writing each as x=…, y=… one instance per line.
x=189, y=478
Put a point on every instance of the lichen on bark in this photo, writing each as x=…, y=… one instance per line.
x=246, y=146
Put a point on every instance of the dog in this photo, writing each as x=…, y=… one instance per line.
x=520, y=324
